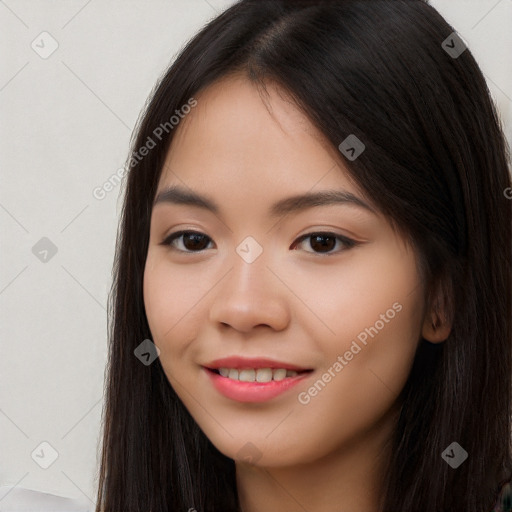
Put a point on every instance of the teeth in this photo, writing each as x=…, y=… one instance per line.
x=246, y=375
x=263, y=374
x=257, y=375
x=280, y=374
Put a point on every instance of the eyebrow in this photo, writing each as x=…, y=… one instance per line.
x=178, y=195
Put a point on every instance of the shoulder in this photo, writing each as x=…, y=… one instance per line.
x=504, y=501
x=16, y=499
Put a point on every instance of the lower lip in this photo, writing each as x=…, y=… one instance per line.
x=253, y=391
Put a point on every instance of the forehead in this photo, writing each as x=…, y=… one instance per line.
x=240, y=141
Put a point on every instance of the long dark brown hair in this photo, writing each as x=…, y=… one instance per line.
x=435, y=164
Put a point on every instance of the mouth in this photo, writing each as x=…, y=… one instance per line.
x=253, y=380
x=262, y=375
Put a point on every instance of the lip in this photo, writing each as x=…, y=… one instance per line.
x=259, y=362
x=252, y=391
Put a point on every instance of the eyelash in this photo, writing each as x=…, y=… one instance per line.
x=347, y=242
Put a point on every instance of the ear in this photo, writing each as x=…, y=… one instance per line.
x=437, y=324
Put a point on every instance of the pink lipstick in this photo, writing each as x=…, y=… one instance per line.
x=253, y=380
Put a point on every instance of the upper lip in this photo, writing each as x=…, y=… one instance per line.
x=245, y=362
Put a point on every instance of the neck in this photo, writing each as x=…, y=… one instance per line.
x=349, y=478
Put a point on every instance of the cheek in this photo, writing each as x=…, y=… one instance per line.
x=172, y=305
x=351, y=396
x=373, y=310
x=364, y=291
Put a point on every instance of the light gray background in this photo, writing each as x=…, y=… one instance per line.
x=65, y=128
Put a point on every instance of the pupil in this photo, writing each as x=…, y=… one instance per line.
x=320, y=243
x=315, y=244
x=195, y=238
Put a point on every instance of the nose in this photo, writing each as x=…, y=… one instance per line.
x=250, y=295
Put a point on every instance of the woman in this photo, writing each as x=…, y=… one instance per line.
x=311, y=305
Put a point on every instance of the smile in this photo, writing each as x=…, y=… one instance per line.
x=256, y=374
x=233, y=386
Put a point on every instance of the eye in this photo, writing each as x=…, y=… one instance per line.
x=193, y=241
x=323, y=243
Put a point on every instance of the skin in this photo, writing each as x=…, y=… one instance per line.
x=293, y=303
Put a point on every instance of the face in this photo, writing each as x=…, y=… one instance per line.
x=325, y=289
